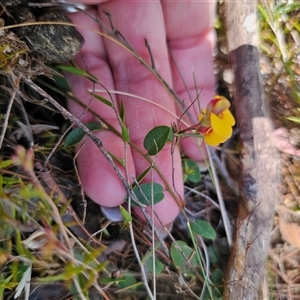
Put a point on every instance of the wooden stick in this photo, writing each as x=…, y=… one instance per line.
x=259, y=158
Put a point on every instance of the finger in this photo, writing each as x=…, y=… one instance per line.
x=190, y=35
x=138, y=21
x=99, y=180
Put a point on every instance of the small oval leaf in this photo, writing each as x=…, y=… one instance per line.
x=77, y=134
x=156, y=139
x=148, y=193
x=191, y=171
x=204, y=229
x=158, y=265
x=127, y=281
x=179, y=260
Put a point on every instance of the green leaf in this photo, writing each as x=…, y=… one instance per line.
x=156, y=139
x=127, y=281
x=204, y=229
x=106, y=280
x=215, y=293
x=116, y=159
x=217, y=277
x=294, y=119
x=62, y=83
x=125, y=134
x=142, y=176
x=103, y=100
x=178, y=259
x=171, y=136
x=76, y=71
x=10, y=180
x=77, y=134
x=284, y=8
x=158, y=265
x=148, y=193
x=191, y=171
x=122, y=112
x=125, y=214
x=213, y=254
x=5, y=163
x=216, y=290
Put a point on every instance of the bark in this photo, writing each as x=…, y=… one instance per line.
x=259, y=158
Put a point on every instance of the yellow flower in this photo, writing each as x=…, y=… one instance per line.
x=216, y=121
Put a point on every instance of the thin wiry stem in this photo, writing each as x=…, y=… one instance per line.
x=144, y=276
x=56, y=146
x=9, y=107
x=226, y=222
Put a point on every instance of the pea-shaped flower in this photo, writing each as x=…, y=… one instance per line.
x=216, y=121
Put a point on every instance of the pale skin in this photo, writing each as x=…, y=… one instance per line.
x=180, y=32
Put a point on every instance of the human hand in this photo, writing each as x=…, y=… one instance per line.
x=181, y=38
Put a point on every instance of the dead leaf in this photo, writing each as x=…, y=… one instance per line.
x=36, y=240
x=27, y=131
x=289, y=229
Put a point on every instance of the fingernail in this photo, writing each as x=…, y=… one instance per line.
x=203, y=166
x=164, y=231
x=71, y=8
x=112, y=213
